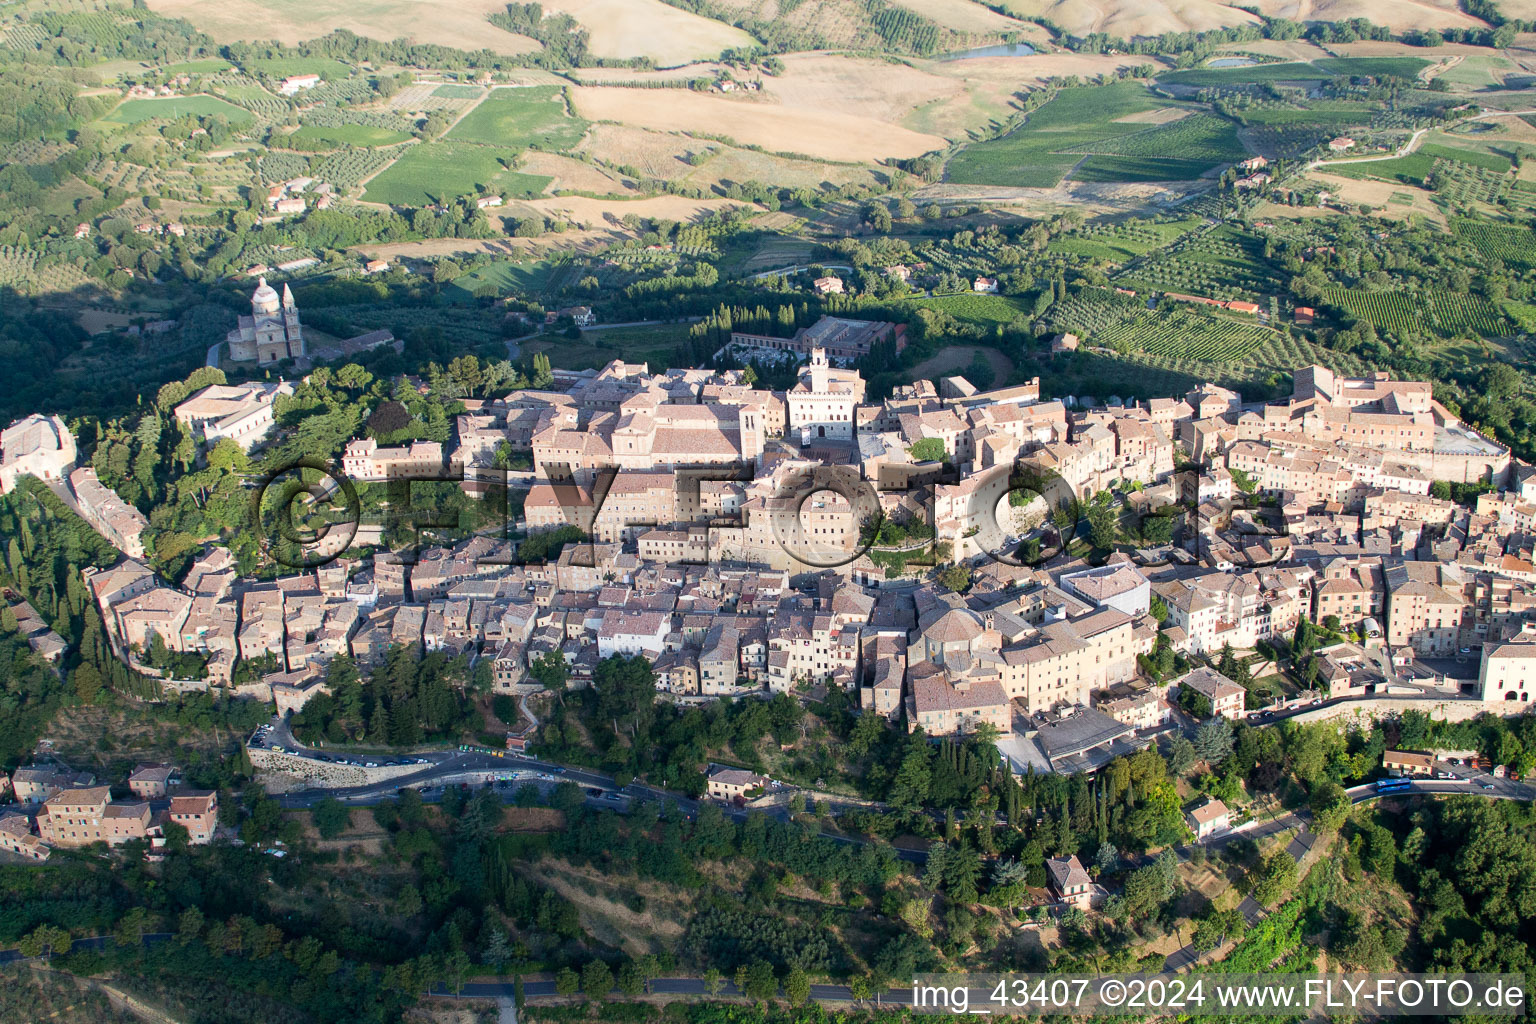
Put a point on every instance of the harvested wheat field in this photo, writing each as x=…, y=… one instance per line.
x=990, y=86
x=650, y=28
x=569, y=174
x=609, y=213
x=1125, y=20
x=825, y=134
x=730, y=164
x=1399, y=15
x=1380, y=194
x=653, y=154
x=868, y=88
x=1162, y=115
x=965, y=16
x=461, y=24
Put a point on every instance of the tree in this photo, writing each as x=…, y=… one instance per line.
x=1330, y=806
x=331, y=817
x=596, y=979
x=1103, y=520
x=928, y=449
x=714, y=981
x=1275, y=879
x=797, y=986
x=567, y=982
x=1181, y=755
x=756, y=981
x=189, y=926
x=631, y=981
x=956, y=577
x=1213, y=741
x=551, y=670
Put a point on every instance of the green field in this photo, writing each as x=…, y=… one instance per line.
x=314, y=136
x=508, y=277
x=439, y=172
x=521, y=117
x=1416, y=166
x=285, y=67
x=978, y=309
x=1185, y=335
x=1297, y=71
x=173, y=107
x=1083, y=120
x=1333, y=115
x=197, y=67
x=1139, y=168
x=1440, y=311
x=653, y=345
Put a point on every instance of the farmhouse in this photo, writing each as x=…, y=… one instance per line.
x=293, y=83
x=828, y=285
x=1341, y=143
x=985, y=285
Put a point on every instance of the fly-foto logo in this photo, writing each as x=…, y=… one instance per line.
x=804, y=515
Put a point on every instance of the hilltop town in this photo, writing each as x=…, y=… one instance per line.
x=747, y=542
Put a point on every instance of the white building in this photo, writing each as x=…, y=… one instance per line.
x=630, y=632
x=822, y=404
x=36, y=445
x=241, y=412
x=271, y=332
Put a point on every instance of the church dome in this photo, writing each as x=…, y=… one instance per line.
x=265, y=300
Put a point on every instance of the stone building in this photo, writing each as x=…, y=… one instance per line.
x=272, y=331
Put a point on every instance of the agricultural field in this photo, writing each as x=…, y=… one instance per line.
x=978, y=309
x=211, y=66
x=252, y=96
x=457, y=92
x=1224, y=263
x=826, y=132
x=1418, y=166
x=438, y=172
x=1515, y=246
x=318, y=136
x=649, y=28
x=507, y=277
x=1088, y=124
x=521, y=117
x=598, y=348
x=284, y=67
x=460, y=24
x=1440, y=311
x=1297, y=71
x=20, y=272
x=1183, y=334
x=172, y=107
x=1091, y=310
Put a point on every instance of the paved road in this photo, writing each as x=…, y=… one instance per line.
x=213, y=355
x=451, y=768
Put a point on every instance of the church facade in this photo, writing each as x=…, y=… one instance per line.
x=272, y=332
